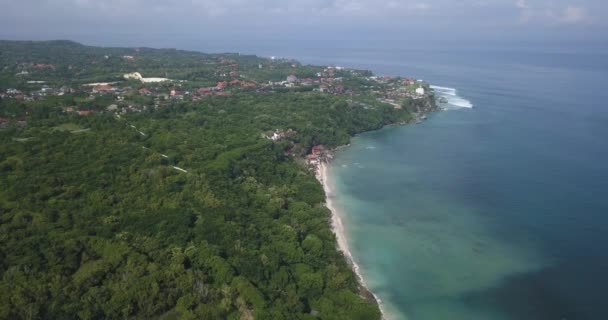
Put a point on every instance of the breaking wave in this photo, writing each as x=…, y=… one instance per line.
x=451, y=94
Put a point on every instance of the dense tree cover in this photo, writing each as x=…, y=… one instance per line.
x=99, y=224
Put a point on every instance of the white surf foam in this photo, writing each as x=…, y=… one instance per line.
x=444, y=90
x=451, y=94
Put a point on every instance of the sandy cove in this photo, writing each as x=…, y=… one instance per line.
x=338, y=228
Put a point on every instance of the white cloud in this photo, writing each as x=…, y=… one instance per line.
x=521, y=4
x=575, y=15
x=550, y=14
x=422, y=6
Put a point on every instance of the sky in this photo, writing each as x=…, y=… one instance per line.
x=324, y=22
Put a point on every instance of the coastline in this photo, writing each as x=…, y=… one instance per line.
x=321, y=174
x=338, y=228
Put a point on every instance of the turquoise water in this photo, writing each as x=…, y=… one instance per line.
x=499, y=211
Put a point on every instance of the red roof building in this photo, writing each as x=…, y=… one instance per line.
x=317, y=149
x=409, y=81
x=44, y=66
x=103, y=88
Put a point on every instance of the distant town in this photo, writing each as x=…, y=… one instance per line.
x=132, y=92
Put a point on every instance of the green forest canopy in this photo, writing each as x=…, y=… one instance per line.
x=97, y=224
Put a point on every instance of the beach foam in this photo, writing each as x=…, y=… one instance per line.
x=454, y=100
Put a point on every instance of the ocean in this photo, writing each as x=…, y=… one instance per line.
x=496, y=208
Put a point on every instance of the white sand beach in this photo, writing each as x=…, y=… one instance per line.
x=339, y=230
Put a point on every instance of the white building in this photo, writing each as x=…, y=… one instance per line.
x=420, y=91
x=137, y=76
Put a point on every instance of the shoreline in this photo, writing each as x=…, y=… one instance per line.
x=340, y=232
x=337, y=227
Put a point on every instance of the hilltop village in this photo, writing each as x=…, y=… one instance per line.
x=33, y=81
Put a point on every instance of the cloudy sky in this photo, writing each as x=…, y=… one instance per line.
x=306, y=20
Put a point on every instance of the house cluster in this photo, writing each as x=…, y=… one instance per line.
x=104, y=88
x=7, y=122
x=279, y=134
x=317, y=154
x=290, y=81
x=120, y=92
x=324, y=82
x=408, y=81
x=381, y=79
x=314, y=160
x=32, y=66
x=81, y=111
x=395, y=89
x=44, y=91
x=229, y=62
x=11, y=93
x=113, y=108
x=222, y=87
x=330, y=86
x=125, y=109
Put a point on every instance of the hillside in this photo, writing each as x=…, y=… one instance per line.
x=171, y=201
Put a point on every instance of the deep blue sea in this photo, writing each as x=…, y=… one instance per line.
x=499, y=211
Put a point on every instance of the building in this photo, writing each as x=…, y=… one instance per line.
x=317, y=150
x=221, y=85
x=102, y=88
x=420, y=91
x=44, y=66
x=409, y=81
x=306, y=82
x=4, y=122
x=292, y=78
x=133, y=76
